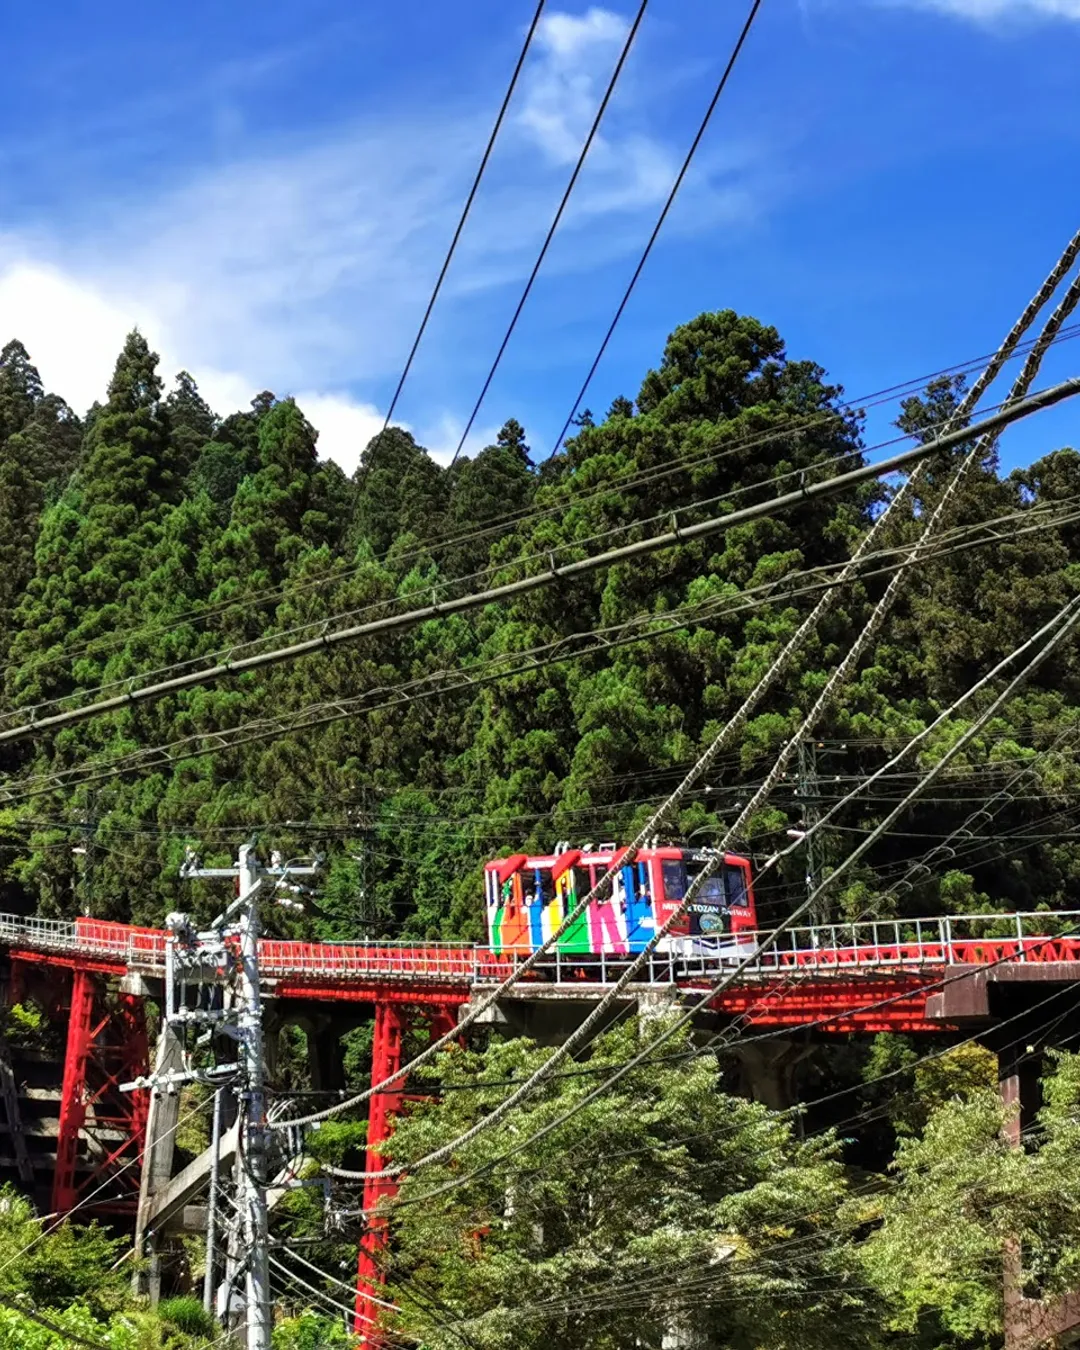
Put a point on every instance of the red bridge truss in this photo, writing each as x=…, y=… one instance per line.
x=919, y=975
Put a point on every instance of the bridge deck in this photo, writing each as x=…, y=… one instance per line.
x=875, y=975
x=911, y=945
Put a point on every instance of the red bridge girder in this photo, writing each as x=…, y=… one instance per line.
x=106, y=1045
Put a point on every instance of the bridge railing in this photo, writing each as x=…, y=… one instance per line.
x=451, y=961
x=971, y=939
x=46, y=934
x=967, y=939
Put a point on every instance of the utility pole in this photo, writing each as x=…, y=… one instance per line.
x=809, y=799
x=86, y=850
x=251, y=1150
x=228, y=955
x=212, y=1202
x=252, y=1145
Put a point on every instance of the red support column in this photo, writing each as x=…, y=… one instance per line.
x=73, y=1096
x=135, y=1063
x=391, y=1021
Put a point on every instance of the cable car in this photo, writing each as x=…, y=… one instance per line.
x=529, y=897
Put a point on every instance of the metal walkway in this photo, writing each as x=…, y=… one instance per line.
x=877, y=945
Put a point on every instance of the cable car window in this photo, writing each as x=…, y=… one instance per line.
x=545, y=887
x=712, y=891
x=736, y=886
x=674, y=874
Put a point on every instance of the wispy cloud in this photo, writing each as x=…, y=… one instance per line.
x=627, y=167
x=562, y=88
x=305, y=270
x=997, y=11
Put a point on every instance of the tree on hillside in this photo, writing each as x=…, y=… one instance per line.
x=962, y=1196
x=192, y=423
x=496, y=485
x=94, y=539
x=21, y=389
x=39, y=444
x=399, y=490
x=652, y=1214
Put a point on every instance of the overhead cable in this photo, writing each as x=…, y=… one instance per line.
x=979, y=444
x=684, y=169
x=632, y=478
x=612, y=82
x=738, y=720
x=1049, y=636
x=643, y=627
x=465, y=210
x=682, y=534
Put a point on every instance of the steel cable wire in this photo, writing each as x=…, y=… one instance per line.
x=739, y=719
x=1064, y=623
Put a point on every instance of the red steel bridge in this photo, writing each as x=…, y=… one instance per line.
x=902, y=975
x=912, y=975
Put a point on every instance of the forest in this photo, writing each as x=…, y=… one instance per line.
x=153, y=534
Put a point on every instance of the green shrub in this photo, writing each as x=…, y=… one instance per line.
x=188, y=1315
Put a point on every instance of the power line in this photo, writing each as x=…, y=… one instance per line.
x=466, y=209
x=1063, y=623
x=862, y=1116
x=840, y=673
x=647, y=626
x=680, y=534
x=33, y=1315
x=235, y=650
x=632, y=479
x=632, y=33
x=717, y=95
x=718, y=743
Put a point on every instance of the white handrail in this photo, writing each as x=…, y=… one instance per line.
x=911, y=943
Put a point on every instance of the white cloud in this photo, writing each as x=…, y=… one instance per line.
x=626, y=169
x=308, y=267
x=442, y=438
x=344, y=426
x=562, y=89
x=991, y=11
x=72, y=331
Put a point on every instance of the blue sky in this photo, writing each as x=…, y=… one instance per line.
x=267, y=191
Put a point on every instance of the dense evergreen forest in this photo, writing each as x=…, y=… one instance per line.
x=153, y=534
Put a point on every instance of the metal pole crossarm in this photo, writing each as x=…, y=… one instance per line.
x=194, y=956
x=681, y=534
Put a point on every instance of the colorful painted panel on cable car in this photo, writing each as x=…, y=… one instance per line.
x=508, y=927
x=607, y=918
x=641, y=910
x=515, y=926
x=528, y=899
x=577, y=940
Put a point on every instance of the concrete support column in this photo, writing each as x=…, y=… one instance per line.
x=655, y=1004
x=162, y=1119
x=324, y=1056
x=1030, y=1323
x=768, y=1071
